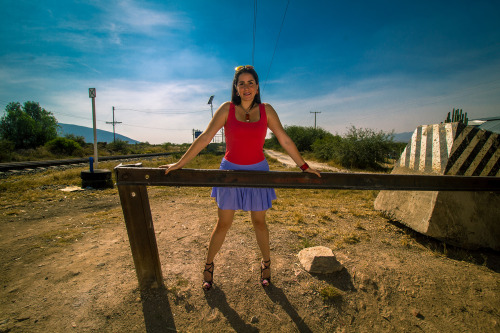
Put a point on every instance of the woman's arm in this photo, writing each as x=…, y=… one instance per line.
x=274, y=124
x=217, y=122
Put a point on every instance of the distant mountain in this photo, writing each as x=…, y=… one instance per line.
x=403, y=137
x=88, y=134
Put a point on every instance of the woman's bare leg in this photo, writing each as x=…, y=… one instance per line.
x=262, y=235
x=224, y=222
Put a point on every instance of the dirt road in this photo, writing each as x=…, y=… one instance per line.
x=287, y=160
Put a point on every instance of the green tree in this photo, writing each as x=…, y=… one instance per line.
x=29, y=126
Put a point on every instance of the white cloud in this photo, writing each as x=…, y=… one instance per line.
x=396, y=102
x=134, y=15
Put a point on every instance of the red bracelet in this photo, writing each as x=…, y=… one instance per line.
x=304, y=167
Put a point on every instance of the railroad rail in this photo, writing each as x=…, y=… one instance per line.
x=44, y=164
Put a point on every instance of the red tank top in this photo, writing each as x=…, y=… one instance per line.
x=245, y=141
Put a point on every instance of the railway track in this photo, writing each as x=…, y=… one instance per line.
x=5, y=167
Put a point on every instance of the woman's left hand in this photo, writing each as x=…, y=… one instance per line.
x=311, y=170
x=170, y=167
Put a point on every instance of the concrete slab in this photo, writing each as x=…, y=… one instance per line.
x=465, y=219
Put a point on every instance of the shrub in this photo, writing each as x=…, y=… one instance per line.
x=303, y=137
x=167, y=146
x=6, y=149
x=119, y=146
x=214, y=148
x=327, y=148
x=64, y=146
x=365, y=148
x=77, y=138
x=359, y=148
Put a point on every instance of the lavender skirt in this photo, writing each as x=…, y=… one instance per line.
x=244, y=198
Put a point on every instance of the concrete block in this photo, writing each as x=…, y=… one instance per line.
x=465, y=219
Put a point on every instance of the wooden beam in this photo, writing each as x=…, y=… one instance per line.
x=279, y=179
x=133, y=179
x=141, y=235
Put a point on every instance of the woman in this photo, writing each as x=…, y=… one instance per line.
x=245, y=120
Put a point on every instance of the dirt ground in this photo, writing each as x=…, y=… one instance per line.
x=66, y=266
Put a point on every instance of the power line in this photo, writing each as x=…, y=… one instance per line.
x=125, y=124
x=159, y=128
x=254, y=29
x=276, y=45
x=161, y=111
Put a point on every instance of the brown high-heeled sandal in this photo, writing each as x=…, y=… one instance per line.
x=263, y=266
x=207, y=285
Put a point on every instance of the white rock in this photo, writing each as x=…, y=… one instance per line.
x=319, y=259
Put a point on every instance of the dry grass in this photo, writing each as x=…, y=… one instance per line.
x=315, y=216
x=312, y=215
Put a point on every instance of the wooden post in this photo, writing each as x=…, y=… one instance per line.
x=141, y=235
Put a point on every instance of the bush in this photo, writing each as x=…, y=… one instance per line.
x=303, y=137
x=6, y=149
x=64, y=146
x=364, y=148
x=327, y=148
x=77, y=138
x=214, y=148
x=119, y=146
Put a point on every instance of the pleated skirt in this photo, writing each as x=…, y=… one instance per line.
x=244, y=198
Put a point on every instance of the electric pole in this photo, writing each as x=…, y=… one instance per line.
x=315, y=113
x=113, y=122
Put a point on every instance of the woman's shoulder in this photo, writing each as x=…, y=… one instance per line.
x=269, y=108
x=224, y=107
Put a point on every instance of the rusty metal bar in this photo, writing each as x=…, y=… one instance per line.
x=279, y=179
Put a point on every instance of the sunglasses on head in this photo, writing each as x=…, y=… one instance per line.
x=239, y=68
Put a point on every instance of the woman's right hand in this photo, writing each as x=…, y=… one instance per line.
x=170, y=167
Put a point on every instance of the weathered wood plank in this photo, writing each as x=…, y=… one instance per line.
x=328, y=180
x=141, y=235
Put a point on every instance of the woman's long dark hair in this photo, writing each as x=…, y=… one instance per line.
x=234, y=96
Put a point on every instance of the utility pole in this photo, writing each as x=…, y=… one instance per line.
x=113, y=122
x=315, y=112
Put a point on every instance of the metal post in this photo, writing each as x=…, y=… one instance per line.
x=92, y=94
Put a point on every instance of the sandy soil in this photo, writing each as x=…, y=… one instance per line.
x=66, y=266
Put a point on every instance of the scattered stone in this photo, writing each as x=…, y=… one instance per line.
x=416, y=313
x=319, y=259
x=72, y=189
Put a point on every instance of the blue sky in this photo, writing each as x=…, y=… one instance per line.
x=385, y=65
